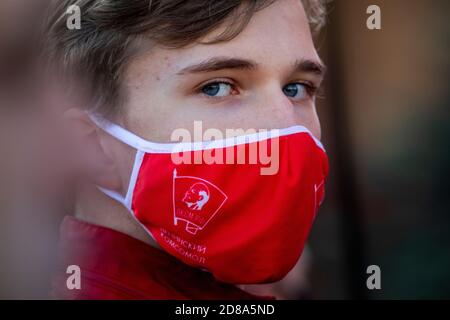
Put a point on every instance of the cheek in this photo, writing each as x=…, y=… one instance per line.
x=317, y=132
x=307, y=116
x=315, y=127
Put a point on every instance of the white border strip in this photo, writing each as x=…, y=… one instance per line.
x=133, y=178
x=139, y=143
x=127, y=200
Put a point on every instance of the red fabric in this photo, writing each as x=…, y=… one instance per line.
x=242, y=226
x=116, y=266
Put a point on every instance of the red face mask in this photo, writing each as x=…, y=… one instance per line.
x=228, y=219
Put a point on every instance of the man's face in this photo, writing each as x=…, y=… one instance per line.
x=262, y=79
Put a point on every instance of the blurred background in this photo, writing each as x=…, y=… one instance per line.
x=385, y=119
x=386, y=123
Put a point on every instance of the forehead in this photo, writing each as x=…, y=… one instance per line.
x=278, y=33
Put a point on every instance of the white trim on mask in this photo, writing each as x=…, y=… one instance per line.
x=133, y=178
x=139, y=143
x=127, y=200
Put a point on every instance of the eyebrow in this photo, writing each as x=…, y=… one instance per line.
x=222, y=63
x=310, y=66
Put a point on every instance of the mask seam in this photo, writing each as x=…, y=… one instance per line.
x=138, y=160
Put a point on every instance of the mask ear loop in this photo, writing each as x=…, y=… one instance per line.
x=129, y=139
x=126, y=201
x=133, y=141
x=113, y=194
x=117, y=131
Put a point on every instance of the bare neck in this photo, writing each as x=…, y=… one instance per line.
x=94, y=207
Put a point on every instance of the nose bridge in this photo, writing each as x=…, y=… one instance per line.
x=277, y=108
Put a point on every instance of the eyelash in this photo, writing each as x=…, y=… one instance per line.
x=200, y=89
x=311, y=89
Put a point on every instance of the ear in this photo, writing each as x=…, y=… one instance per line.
x=96, y=157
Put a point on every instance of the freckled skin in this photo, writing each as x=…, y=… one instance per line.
x=275, y=37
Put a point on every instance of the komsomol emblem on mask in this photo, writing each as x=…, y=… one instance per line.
x=195, y=201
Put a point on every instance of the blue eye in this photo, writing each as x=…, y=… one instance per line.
x=295, y=90
x=217, y=89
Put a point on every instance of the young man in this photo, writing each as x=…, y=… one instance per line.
x=146, y=226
